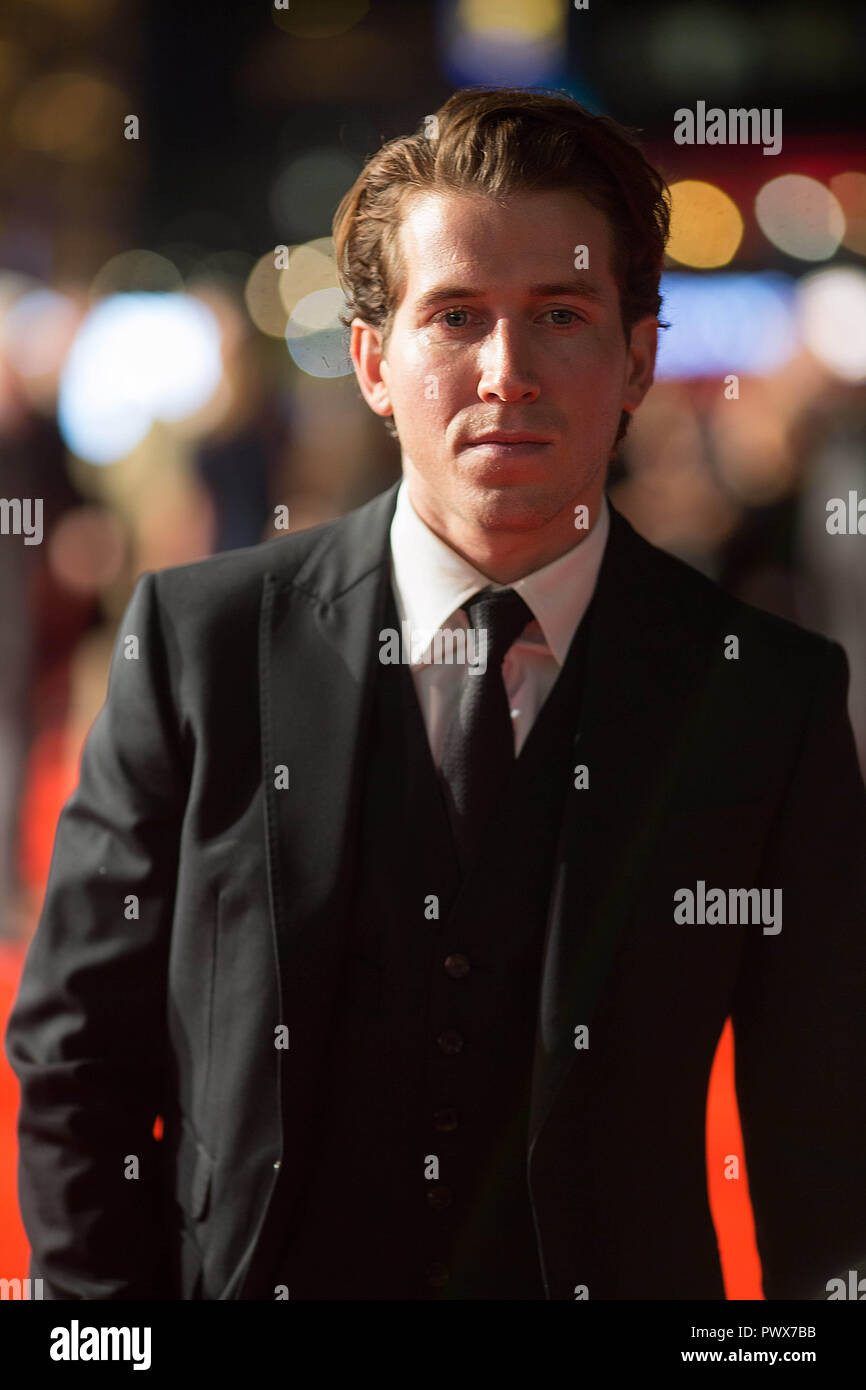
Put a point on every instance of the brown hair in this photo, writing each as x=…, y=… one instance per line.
x=495, y=142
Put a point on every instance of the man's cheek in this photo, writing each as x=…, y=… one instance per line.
x=428, y=390
x=598, y=392
x=422, y=406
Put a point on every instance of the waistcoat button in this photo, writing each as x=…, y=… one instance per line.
x=457, y=966
x=449, y=1042
x=439, y=1196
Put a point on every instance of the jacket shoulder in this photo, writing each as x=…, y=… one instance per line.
x=235, y=576
x=703, y=602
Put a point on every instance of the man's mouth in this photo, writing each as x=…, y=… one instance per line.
x=509, y=443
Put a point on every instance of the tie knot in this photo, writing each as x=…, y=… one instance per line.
x=502, y=613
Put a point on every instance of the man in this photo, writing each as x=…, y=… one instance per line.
x=424, y=967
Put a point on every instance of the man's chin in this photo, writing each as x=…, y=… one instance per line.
x=511, y=506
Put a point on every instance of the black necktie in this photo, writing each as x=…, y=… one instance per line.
x=479, y=745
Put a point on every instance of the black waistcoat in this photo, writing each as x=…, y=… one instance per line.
x=419, y=1189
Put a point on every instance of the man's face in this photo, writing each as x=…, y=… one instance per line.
x=497, y=332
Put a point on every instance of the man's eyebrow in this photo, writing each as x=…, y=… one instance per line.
x=578, y=288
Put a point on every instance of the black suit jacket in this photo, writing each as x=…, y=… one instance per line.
x=194, y=907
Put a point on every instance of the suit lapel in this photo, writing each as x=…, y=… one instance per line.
x=318, y=645
x=646, y=681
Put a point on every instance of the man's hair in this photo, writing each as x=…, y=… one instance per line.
x=496, y=142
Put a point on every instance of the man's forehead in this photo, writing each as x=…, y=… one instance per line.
x=443, y=234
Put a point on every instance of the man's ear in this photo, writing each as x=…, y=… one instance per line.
x=371, y=369
x=641, y=360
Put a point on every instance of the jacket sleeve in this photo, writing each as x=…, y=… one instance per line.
x=800, y=1016
x=87, y=1036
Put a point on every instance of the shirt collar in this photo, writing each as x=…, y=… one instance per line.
x=431, y=581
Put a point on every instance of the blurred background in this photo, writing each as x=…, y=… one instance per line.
x=167, y=384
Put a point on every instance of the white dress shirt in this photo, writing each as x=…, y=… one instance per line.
x=430, y=581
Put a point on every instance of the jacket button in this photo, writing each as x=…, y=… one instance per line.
x=437, y=1275
x=439, y=1196
x=457, y=966
x=449, y=1042
x=445, y=1120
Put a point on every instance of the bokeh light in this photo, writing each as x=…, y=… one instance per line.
x=303, y=197
x=850, y=190
x=315, y=337
x=726, y=323
x=70, y=115
x=311, y=267
x=37, y=331
x=712, y=45
x=510, y=42
x=800, y=216
x=136, y=358
x=262, y=296
x=832, y=310
x=86, y=549
x=706, y=226
x=136, y=272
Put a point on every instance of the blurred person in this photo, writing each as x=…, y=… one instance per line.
x=423, y=962
x=239, y=459
x=39, y=624
x=15, y=663
x=834, y=586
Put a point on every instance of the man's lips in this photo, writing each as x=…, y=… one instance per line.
x=507, y=441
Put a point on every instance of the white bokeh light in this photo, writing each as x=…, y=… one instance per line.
x=135, y=359
x=316, y=338
x=801, y=217
x=832, y=311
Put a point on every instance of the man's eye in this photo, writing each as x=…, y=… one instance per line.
x=570, y=312
x=446, y=313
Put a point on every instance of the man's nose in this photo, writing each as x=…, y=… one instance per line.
x=506, y=370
